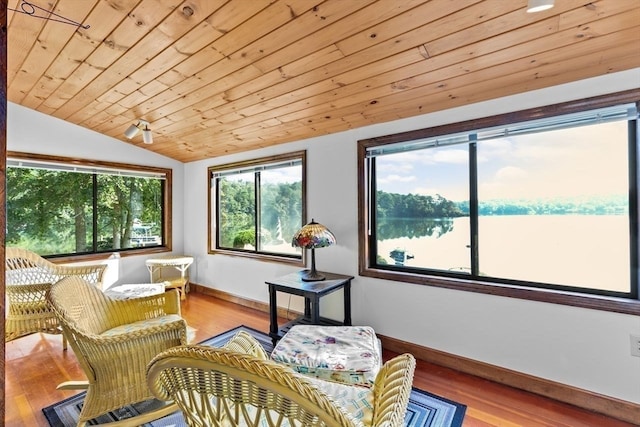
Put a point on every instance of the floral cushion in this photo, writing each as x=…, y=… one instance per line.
x=356, y=401
x=346, y=354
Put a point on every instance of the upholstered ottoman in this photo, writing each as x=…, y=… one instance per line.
x=345, y=354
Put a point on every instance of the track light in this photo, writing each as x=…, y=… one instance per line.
x=539, y=5
x=132, y=130
x=147, y=138
x=141, y=125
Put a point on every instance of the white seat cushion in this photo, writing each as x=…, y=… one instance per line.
x=142, y=324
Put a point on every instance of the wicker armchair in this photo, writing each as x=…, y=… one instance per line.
x=28, y=278
x=238, y=386
x=114, y=340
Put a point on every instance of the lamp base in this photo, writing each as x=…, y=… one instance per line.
x=311, y=276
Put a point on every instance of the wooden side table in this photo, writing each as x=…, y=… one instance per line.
x=179, y=264
x=312, y=292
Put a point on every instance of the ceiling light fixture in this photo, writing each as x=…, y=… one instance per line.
x=539, y=5
x=147, y=138
x=141, y=125
x=131, y=131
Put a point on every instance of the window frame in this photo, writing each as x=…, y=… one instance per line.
x=167, y=217
x=570, y=298
x=212, y=246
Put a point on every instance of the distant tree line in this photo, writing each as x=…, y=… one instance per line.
x=408, y=206
x=393, y=205
x=609, y=205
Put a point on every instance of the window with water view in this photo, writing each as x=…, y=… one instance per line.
x=549, y=204
x=57, y=209
x=257, y=206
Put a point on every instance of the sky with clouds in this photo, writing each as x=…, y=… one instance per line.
x=586, y=161
x=286, y=174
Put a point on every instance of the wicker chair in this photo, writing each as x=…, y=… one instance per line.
x=114, y=340
x=238, y=386
x=28, y=278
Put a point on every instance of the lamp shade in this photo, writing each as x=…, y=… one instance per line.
x=312, y=236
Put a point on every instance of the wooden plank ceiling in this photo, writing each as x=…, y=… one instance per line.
x=214, y=77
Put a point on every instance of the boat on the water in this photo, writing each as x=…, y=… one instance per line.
x=400, y=256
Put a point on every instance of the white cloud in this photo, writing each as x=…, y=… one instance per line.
x=395, y=167
x=451, y=156
x=426, y=191
x=389, y=179
x=507, y=182
x=511, y=173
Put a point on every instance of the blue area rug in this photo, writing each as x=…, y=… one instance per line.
x=425, y=409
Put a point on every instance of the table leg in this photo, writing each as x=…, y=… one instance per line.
x=273, y=314
x=347, y=304
x=315, y=311
x=150, y=268
x=183, y=275
x=307, y=307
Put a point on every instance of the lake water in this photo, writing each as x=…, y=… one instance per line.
x=578, y=250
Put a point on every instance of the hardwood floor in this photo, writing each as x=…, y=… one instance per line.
x=36, y=364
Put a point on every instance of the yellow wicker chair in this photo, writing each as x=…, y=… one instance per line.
x=239, y=386
x=28, y=278
x=114, y=340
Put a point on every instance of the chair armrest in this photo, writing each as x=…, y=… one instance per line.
x=172, y=301
x=243, y=342
x=391, y=390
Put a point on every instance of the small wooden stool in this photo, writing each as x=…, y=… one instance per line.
x=173, y=263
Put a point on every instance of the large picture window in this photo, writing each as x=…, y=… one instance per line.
x=257, y=206
x=66, y=207
x=533, y=200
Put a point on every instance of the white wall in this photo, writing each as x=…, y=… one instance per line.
x=32, y=132
x=584, y=348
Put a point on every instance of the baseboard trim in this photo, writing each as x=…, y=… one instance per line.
x=585, y=399
x=225, y=296
x=609, y=406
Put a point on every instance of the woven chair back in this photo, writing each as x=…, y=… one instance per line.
x=219, y=387
x=25, y=267
x=28, y=278
x=81, y=306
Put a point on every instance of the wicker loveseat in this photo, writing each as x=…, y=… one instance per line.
x=28, y=278
x=114, y=340
x=238, y=386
